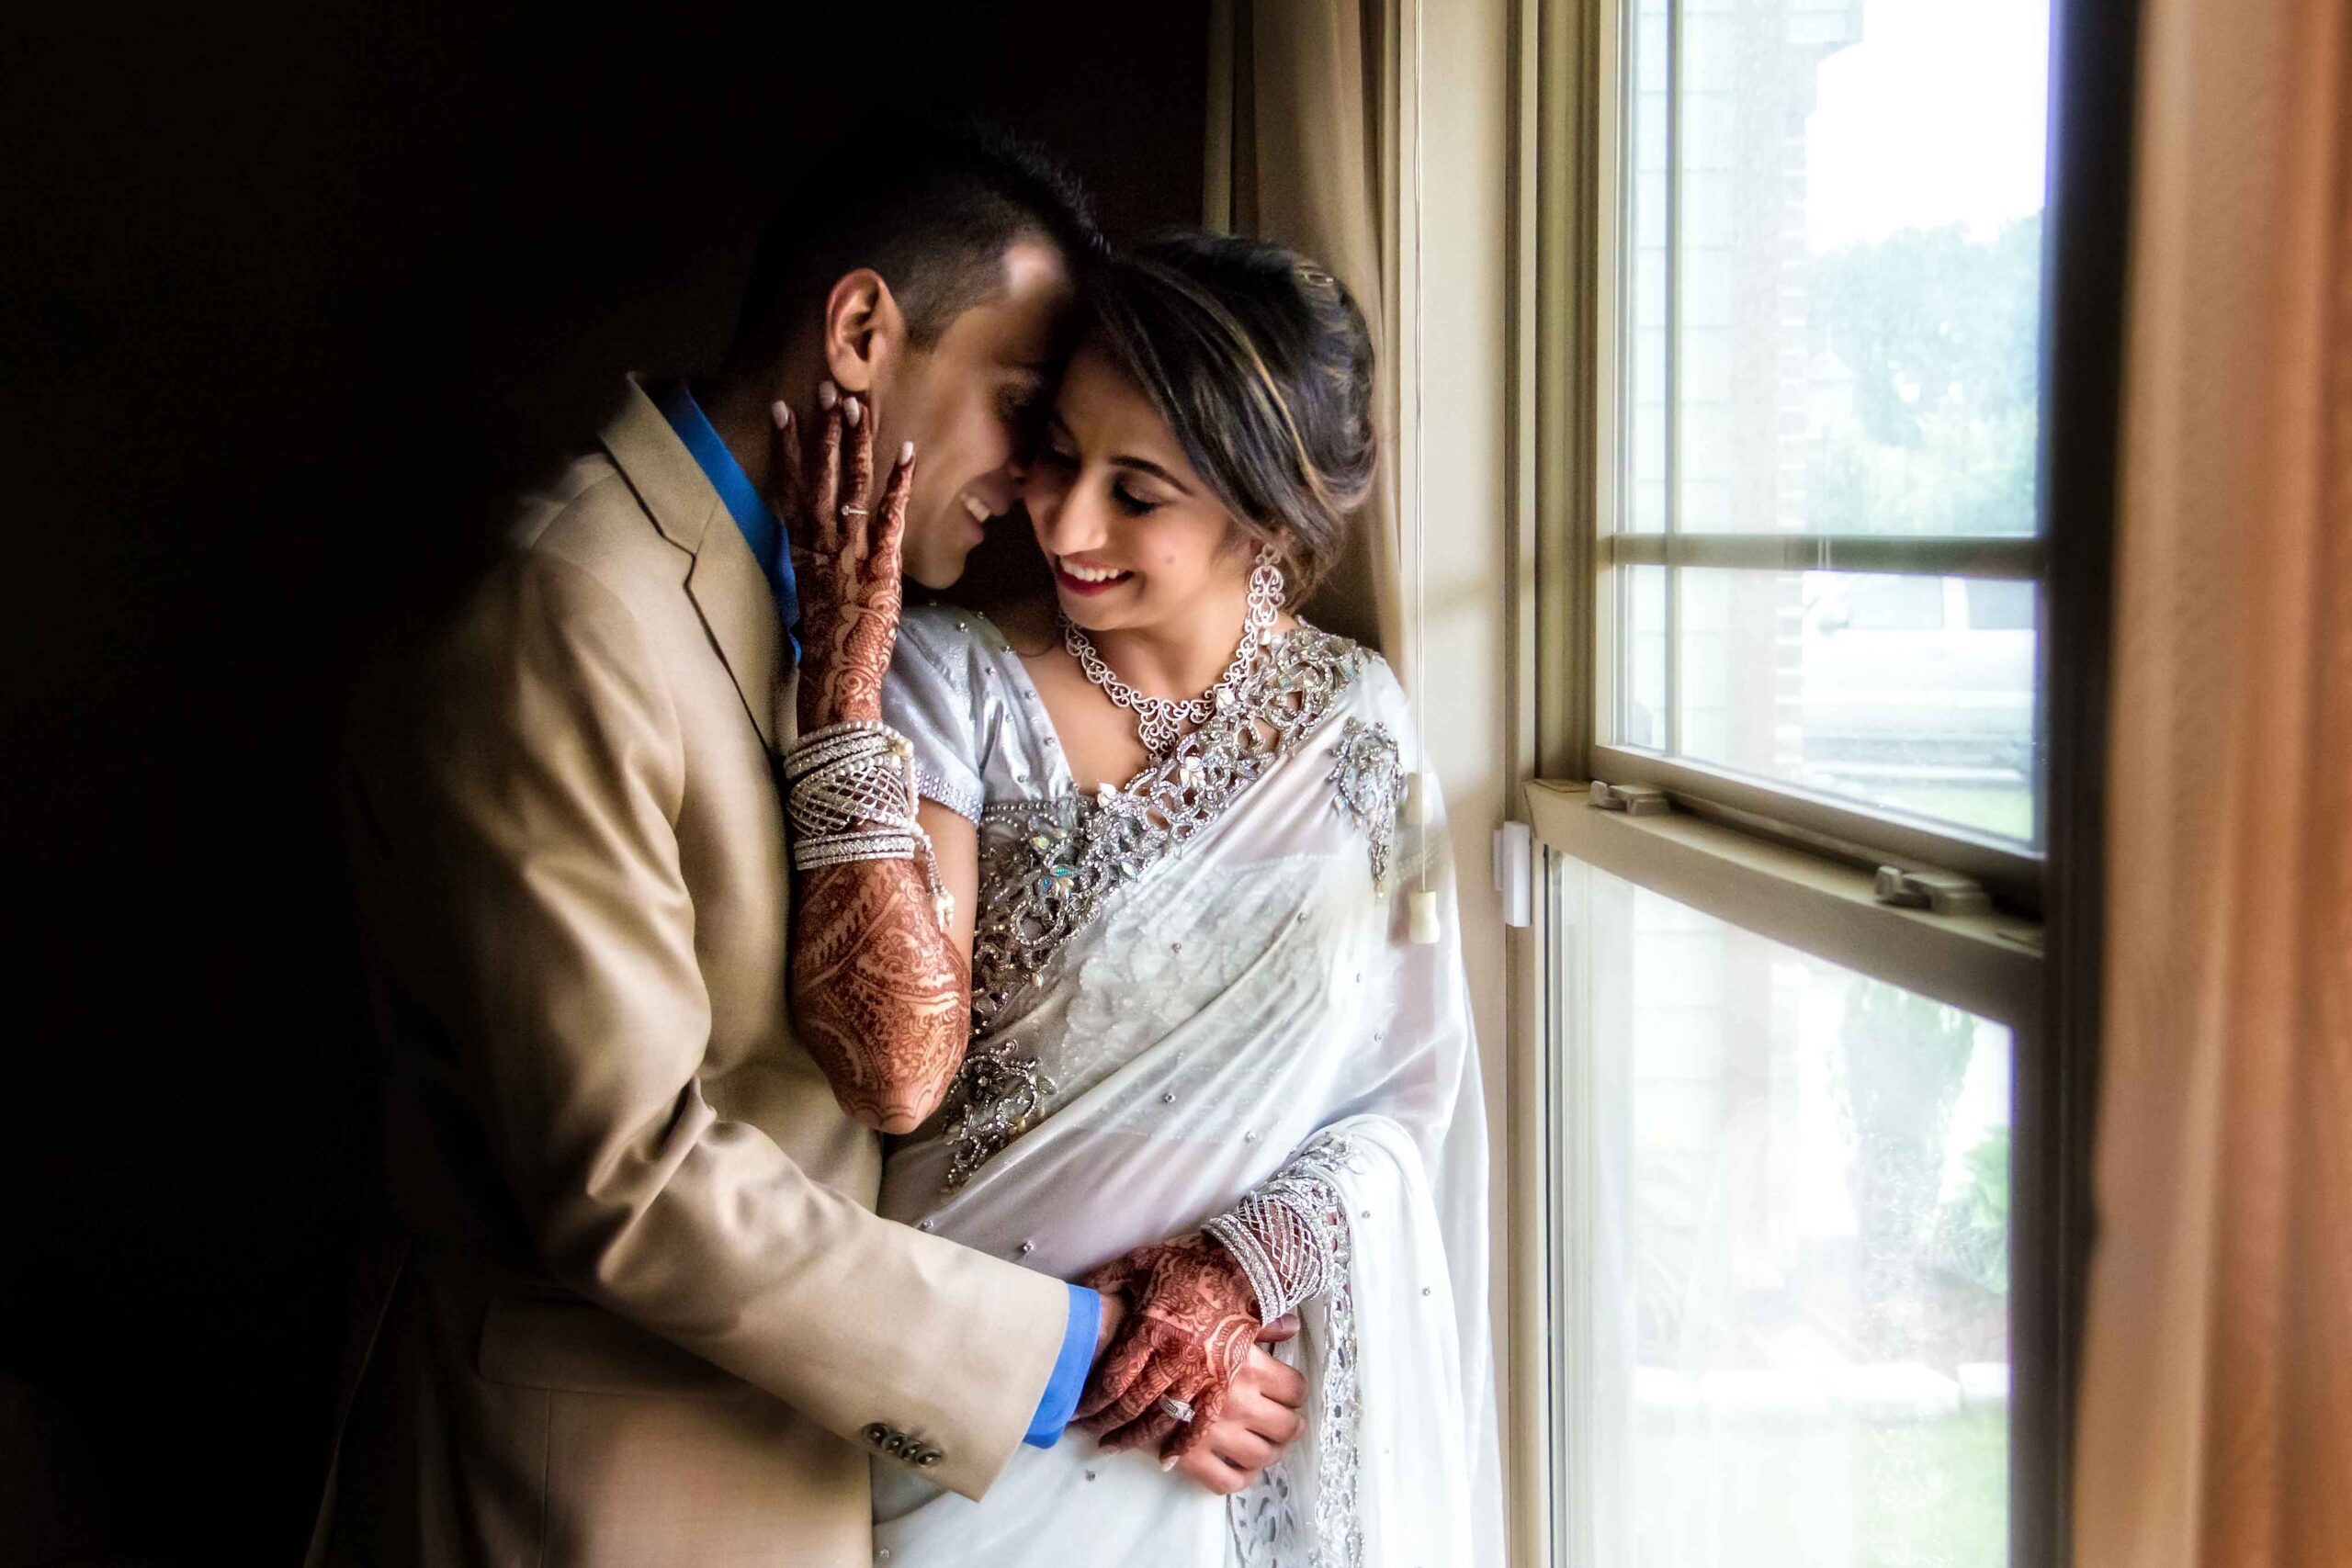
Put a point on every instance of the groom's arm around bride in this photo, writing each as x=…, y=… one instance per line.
x=646, y=1314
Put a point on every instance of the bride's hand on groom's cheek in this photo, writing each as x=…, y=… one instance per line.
x=845, y=554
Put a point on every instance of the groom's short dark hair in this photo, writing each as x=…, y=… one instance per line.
x=932, y=205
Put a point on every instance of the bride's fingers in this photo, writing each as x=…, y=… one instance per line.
x=784, y=456
x=857, y=484
x=1149, y=1430
x=1208, y=1415
x=825, y=526
x=1129, y=1357
x=1139, y=1396
x=883, y=563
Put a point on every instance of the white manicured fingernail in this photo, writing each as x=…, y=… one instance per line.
x=1169, y=1463
x=781, y=412
x=828, y=395
x=907, y=453
x=852, y=410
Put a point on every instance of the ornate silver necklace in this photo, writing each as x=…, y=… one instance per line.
x=1160, y=721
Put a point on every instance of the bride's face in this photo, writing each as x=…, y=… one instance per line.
x=1136, y=539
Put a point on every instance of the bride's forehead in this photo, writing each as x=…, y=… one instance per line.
x=1102, y=407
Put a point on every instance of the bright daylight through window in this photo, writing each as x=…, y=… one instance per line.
x=1830, y=243
x=1784, y=1228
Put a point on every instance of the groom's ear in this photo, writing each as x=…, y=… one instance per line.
x=864, y=332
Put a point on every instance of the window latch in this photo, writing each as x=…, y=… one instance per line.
x=1634, y=800
x=1938, y=892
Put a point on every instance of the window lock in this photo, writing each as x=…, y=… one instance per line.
x=1634, y=800
x=1938, y=892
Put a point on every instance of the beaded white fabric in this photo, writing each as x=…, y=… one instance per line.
x=1292, y=1236
x=1238, y=992
x=1048, y=866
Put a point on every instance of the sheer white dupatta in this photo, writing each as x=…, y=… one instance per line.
x=1235, y=992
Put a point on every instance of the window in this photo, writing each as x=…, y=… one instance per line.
x=1787, y=1004
x=1794, y=1205
x=1822, y=414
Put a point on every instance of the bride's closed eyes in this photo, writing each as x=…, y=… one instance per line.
x=1056, y=453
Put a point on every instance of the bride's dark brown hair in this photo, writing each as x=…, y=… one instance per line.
x=1261, y=363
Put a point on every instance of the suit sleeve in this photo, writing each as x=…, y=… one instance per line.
x=551, y=774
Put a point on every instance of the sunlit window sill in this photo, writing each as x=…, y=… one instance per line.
x=1989, y=964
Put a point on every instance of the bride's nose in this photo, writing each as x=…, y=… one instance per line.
x=1069, y=520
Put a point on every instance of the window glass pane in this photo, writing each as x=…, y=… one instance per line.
x=1786, y=1198
x=1997, y=606
x=1646, y=276
x=1641, y=687
x=1835, y=264
x=1906, y=693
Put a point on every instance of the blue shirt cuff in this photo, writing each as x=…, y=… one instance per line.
x=1070, y=1368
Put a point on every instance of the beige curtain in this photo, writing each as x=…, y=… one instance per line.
x=2216, y=1403
x=1301, y=152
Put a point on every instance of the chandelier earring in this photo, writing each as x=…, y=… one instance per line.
x=1267, y=590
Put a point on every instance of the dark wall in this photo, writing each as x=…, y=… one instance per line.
x=290, y=300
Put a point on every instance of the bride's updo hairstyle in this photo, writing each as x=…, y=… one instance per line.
x=1262, y=365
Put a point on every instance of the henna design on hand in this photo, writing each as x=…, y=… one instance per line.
x=1191, y=1328
x=846, y=557
x=880, y=996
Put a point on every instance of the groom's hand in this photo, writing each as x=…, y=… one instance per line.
x=1114, y=1312
x=1261, y=1417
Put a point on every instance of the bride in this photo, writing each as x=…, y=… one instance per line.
x=1172, y=820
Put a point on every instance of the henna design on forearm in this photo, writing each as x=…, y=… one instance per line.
x=880, y=995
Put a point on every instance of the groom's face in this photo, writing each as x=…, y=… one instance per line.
x=965, y=402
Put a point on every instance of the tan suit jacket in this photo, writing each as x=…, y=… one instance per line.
x=647, y=1316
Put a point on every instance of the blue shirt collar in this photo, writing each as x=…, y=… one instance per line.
x=758, y=522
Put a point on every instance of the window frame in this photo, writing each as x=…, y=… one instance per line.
x=1841, y=826
x=1743, y=849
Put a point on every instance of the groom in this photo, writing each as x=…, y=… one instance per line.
x=645, y=1314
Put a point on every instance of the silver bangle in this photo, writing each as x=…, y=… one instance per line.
x=838, y=796
x=839, y=849
x=855, y=737
x=1256, y=1267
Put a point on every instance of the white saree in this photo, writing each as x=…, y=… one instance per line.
x=1180, y=990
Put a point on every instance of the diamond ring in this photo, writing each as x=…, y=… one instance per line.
x=853, y=510
x=1179, y=1409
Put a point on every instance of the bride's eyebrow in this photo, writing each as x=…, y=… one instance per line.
x=1146, y=465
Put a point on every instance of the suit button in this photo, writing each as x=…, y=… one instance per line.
x=927, y=1458
x=877, y=1434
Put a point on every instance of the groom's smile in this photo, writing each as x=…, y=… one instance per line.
x=965, y=401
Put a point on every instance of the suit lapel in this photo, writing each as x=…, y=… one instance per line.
x=730, y=592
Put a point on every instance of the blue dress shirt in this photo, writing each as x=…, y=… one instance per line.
x=1069, y=1369
x=765, y=534
x=762, y=529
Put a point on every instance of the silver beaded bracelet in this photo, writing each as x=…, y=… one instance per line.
x=851, y=796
